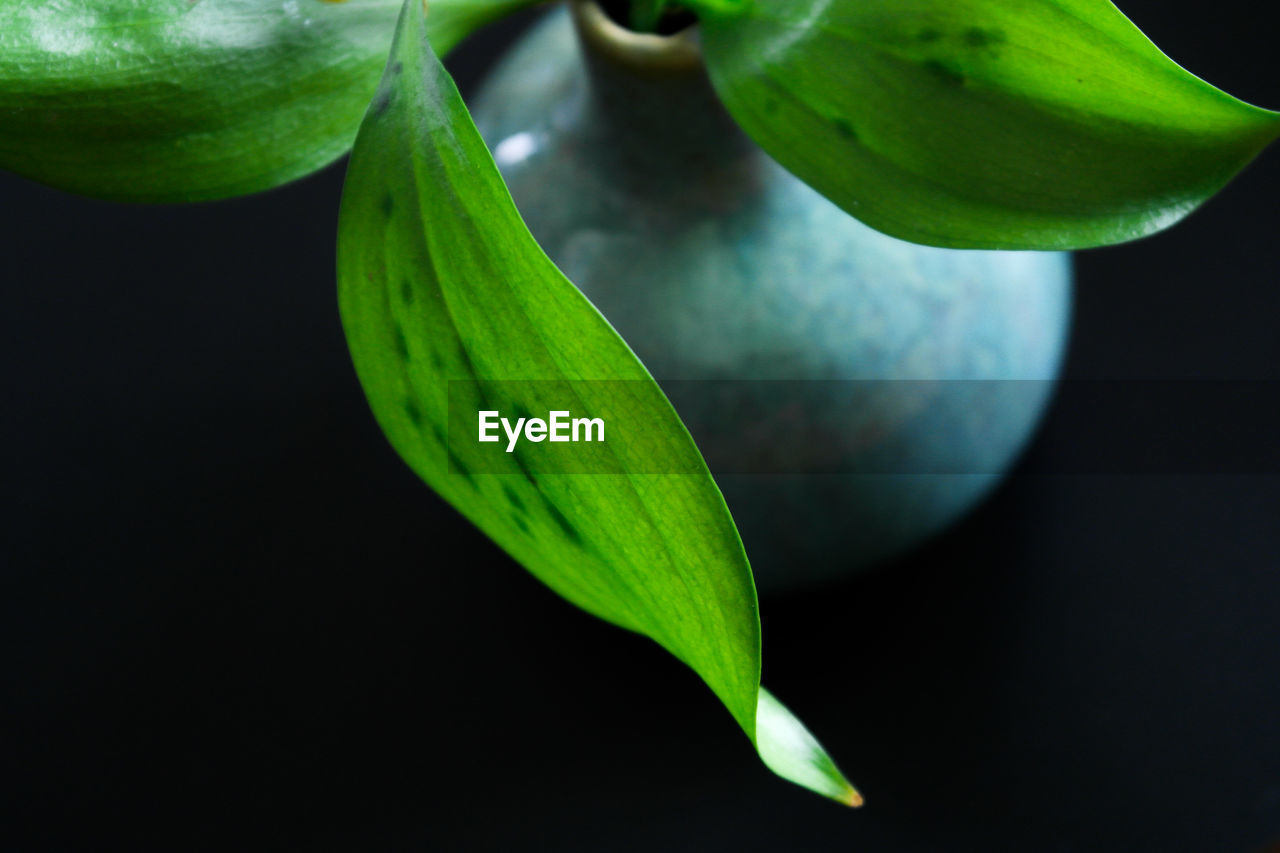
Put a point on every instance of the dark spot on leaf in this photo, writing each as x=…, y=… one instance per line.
x=928, y=35
x=513, y=498
x=397, y=67
x=406, y=291
x=524, y=469
x=382, y=102
x=435, y=430
x=402, y=345
x=436, y=362
x=413, y=412
x=565, y=525
x=388, y=205
x=457, y=466
x=466, y=360
x=845, y=129
x=770, y=106
x=942, y=71
x=520, y=522
x=978, y=37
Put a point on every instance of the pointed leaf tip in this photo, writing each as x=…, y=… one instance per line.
x=788, y=749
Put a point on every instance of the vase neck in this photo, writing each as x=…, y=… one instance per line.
x=650, y=96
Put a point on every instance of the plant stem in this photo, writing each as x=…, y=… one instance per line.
x=645, y=15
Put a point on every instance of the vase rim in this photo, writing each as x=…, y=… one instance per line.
x=642, y=51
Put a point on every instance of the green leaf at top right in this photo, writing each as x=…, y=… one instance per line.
x=997, y=124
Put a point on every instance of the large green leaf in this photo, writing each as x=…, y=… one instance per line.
x=448, y=301
x=186, y=100
x=1014, y=124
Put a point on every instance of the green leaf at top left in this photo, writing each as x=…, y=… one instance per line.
x=190, y=100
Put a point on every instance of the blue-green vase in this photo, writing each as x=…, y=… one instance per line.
x=716, y=264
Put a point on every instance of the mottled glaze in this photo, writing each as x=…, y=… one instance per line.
x=716, y=264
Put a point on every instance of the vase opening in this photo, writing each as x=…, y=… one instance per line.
x=671, y=23
x=648, y=53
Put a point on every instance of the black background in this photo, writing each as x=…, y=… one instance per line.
x=233, y=618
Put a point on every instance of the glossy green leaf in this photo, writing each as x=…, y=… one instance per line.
x=187, y=100
x=442, y=288
x=1014, y=124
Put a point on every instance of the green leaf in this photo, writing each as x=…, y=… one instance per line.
x=443, y=289
x=1011, y=124
x=188, y=100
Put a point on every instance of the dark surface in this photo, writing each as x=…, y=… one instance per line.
x=232, y=618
